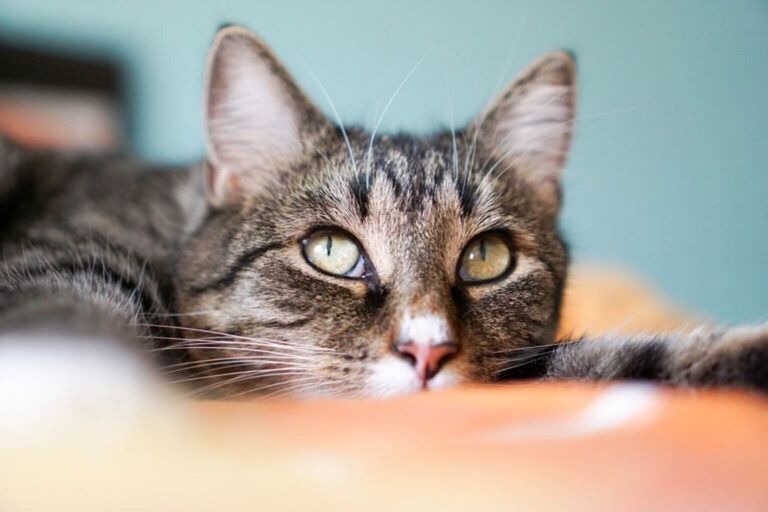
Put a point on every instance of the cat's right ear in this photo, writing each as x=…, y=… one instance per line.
x=257, y=119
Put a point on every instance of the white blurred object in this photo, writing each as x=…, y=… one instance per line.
x=54, y=383
x=619, y=406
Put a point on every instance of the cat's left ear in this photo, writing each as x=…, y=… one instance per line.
x=258, y=120
x=527, y=128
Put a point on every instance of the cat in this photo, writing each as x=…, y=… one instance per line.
x=303, y=259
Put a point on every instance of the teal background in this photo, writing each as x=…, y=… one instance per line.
x=668, y=174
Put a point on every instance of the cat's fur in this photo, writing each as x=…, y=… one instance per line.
x=217, y=284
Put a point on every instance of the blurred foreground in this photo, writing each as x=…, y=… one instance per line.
x=529, y=447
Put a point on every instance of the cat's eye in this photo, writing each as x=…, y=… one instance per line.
x=487, y=257
x=334, y=252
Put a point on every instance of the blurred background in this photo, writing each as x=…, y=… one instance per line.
x=668, y=174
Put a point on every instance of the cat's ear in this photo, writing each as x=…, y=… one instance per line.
x=257, y=118
x=528, y=127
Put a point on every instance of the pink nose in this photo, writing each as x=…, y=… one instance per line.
x=426, y=359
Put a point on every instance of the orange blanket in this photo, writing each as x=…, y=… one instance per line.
x=515, y=447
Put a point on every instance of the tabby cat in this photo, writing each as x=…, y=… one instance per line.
x=306, y=260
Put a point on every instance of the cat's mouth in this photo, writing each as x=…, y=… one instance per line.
x=392, y=376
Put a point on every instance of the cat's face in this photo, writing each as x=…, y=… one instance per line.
x=330, y=265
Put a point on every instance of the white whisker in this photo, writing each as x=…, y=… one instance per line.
x=248, y=360
x=244, y=373
x=530, y=347
x=269, y=386
x=384, y=112
x=239, y=349
x=528, y=361
x=191, y=365
x=262, y=341
x=455, y=153
x=333, y=109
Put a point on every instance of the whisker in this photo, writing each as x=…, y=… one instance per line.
x=240, y=349
x=264, y=341
x=320, y=152
x=189, y=342
x=333, y=390
x=214, y=386
x=512, y=50
x=241, y=376
x=217, y=385
x=248, y=373
x=532, y=347
x=383, y=113
x=329, y=392
x=290, y=389
x=223, y=359
x=455, y=153
x=333, y=109
x=531, y=360
x=250, y=342
x=269, y=386
x=234, y=363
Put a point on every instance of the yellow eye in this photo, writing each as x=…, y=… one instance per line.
x=485, y=258
x=334, y=252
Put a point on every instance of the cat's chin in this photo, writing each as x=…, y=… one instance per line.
x=444, y=380
x=394, y=377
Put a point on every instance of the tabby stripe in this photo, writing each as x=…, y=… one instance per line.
x=244, y=261
x=644, y=361
x=245, y=329
x=638, y=358
x=90, y=244
x=360, y=192
x=285, y=324
x=467, y=192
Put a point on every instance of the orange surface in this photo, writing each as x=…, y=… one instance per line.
x=535, y=446
x=542, y=446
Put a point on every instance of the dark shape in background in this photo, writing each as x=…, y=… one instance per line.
x=57, y=100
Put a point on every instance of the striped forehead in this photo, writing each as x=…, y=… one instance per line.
x=411, y=178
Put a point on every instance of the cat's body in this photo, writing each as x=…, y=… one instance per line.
x=320, y=261
x=88, y=232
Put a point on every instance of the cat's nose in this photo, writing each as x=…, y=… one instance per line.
x=427, y=359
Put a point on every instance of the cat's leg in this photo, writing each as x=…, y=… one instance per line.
x=85, y=288
x=735, y=357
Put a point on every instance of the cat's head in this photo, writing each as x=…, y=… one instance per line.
x=331, y=263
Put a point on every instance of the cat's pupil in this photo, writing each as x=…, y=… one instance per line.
x=328, y=245
x=482, y=250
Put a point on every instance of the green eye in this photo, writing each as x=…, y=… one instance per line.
x=334, y=252
x=487, y=257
